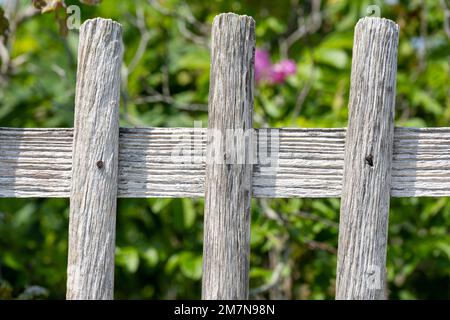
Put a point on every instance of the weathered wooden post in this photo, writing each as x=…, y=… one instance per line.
x=361, y=269
x=93, y=196
x=229, y=170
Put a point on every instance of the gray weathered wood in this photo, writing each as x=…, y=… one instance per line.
x=361, y=269
x=228, y=189
x=93, y=196
x=36, y=163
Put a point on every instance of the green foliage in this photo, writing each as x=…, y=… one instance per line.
x=4, y=23
x=159, y=241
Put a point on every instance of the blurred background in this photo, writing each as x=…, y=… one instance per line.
x=303, y=72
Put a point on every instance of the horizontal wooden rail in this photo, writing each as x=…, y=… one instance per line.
x=37, y=163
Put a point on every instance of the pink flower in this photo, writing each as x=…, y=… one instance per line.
x=273, y=74
x=282, y=69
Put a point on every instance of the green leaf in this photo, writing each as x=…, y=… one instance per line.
x=323, y=208
x=151, y=257
x=10, y=261
x=338, y=41
x=423, y=99
x=271, y=107
x=172, y=263
x=189, y=212
x=444, y=247
x=275, y=24
x=24, y=215
x=194, y=59
x=128, y=258
x=157, y=205
x=185, y=97
x=191, y=265
x=263, y=273
x=413, y=122
x=336, y=58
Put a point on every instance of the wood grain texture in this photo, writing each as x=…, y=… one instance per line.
x=93, y=195
x=366, y=185
x=228, y=184
x=36, y=163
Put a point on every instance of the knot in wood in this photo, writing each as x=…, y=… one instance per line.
x=369, y=160
x=100, y=164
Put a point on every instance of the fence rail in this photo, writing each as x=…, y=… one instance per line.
x=97, y=161
x=36, y=163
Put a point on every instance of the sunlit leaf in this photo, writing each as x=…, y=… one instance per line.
x=337, y=58
x=128, y=257
x=191, y=265
x=151, y=257
x=188, y=212
x=424, y=99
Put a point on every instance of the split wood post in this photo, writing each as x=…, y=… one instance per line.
x=361, y=268
x=228, y=189
x=93, y=196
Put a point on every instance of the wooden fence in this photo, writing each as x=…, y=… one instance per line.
x=97, y=161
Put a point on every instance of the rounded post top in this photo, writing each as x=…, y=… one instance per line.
x=377, y=23
x=231, y=17
x=101, y=23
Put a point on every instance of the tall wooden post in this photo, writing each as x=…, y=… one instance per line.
x=93, y=196
x=229, y=170
x=361, y=269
